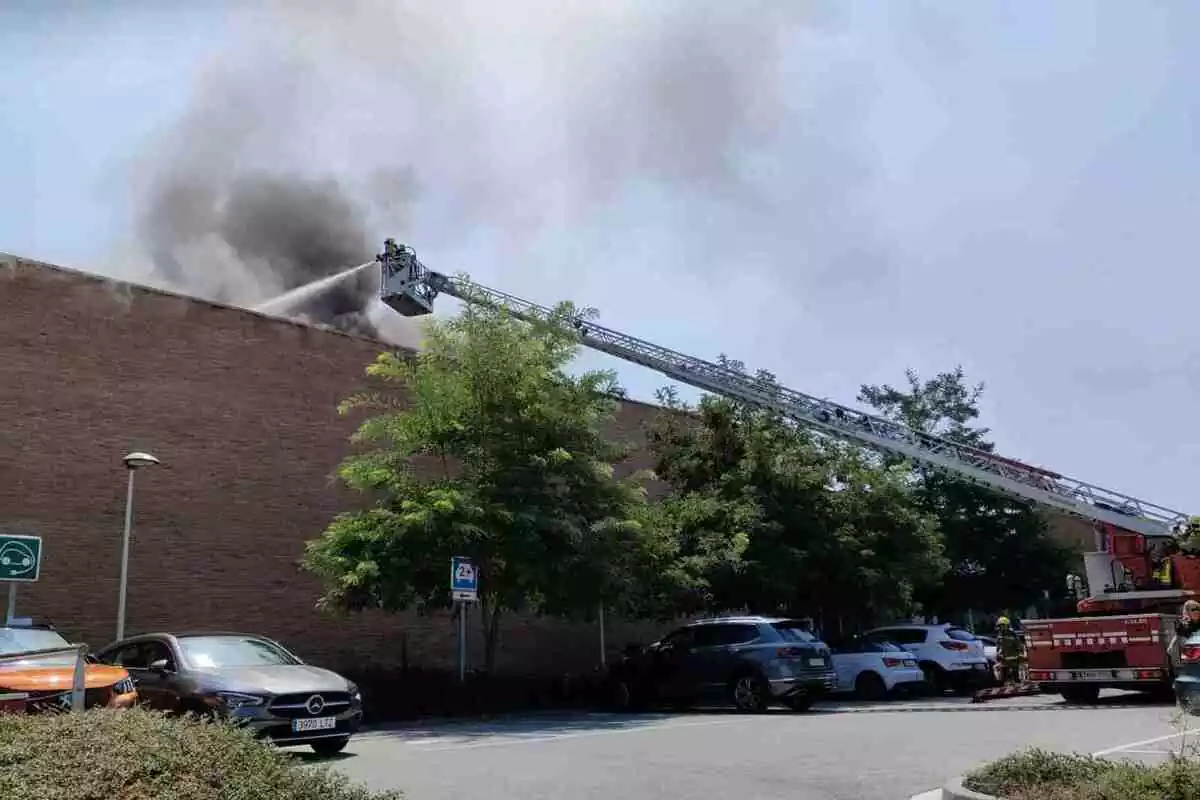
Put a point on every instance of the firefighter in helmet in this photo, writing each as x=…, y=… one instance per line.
x=1009, y=650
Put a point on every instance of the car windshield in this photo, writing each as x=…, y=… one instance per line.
x=14, y=641
x=233, y=651
x=961, y=635
x=793, y=632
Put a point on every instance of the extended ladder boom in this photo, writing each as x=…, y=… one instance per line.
x=410, y=288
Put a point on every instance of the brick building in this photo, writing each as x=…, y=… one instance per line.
x=241, y=410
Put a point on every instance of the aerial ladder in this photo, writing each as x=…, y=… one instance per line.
x=410, y=288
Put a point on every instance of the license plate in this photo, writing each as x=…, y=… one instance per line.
x=910, y=663
x=314, y=724
x=1090, y=675
x=816, y=662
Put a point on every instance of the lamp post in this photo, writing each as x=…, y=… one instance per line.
x=133, y=462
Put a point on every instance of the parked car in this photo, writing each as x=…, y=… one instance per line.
x=750, y=662
x=872, y=670
x=951, y=657
x=989, y=647
x=992, y=652
x=42, y=683
x=250, y=679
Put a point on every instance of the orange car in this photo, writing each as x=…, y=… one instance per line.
x=43, y=683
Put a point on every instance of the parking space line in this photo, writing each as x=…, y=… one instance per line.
x=1133, y=745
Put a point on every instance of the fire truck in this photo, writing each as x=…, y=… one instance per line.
x=1137, y=577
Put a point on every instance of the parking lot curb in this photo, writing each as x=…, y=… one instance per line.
x=954, y=790
x=963, y=708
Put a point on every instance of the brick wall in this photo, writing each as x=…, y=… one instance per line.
x=240, y=408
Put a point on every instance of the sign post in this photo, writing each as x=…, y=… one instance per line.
x=464, y=589
x=20, y=562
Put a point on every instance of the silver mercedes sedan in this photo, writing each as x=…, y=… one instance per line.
x=248, y=679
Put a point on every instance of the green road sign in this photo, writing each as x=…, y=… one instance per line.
x=20, y=557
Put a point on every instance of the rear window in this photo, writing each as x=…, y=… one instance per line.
x=793, y=632
x=899, y=635
x=884, y=647
x=960, y=634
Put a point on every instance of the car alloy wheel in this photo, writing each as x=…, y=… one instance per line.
x=749, y=694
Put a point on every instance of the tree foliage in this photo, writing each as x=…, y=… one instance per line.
x=484, y=446
x=1001, y=555
x=523, y=479
x=820, y=526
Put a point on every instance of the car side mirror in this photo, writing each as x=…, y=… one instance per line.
x=161, y=666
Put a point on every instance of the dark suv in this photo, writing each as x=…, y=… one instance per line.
x=750, y=662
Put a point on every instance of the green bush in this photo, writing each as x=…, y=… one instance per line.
x=1034, y=768
x=1040, y=775
x=142, y=755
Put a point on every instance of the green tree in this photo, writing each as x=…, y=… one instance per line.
x=483, y=446
x=1001, y=555
x=827, y=530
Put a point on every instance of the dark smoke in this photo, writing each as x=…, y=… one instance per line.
x=514, y=120
x=282, y=231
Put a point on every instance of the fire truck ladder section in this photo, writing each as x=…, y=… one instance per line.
x=410, y=288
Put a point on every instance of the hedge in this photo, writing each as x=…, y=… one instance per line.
x=1040, y=775
x=144, y=755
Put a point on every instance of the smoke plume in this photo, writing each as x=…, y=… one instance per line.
x=512, y=117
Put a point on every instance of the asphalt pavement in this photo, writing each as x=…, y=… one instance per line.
x=884, y=751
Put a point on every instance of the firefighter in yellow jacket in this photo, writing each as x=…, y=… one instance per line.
x=1010, y=651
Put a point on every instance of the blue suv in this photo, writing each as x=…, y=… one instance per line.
x=749, y=662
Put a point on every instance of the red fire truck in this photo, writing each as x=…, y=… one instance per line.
x=1136, y=576
x=1121, y=637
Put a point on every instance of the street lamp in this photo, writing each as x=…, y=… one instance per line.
x=133, y=462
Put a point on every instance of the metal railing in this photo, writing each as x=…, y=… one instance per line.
x=78, y=675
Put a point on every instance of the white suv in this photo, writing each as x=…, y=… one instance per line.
x=951, y=657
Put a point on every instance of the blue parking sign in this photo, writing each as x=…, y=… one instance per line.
x=464, y=579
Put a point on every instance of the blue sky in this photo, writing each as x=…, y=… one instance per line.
x=832, y=191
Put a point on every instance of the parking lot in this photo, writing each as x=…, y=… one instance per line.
x=880, y=751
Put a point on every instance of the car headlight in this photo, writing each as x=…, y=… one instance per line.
x=232, y=701
x=355, y=695
x=123, y=686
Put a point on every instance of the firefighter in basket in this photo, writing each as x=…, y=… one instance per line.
x=1010, y=651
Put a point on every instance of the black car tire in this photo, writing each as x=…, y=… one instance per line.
x=935, y=677
x=749, y=693
x=1085, y=694
x=869, y=686
x=330, y=747
x=620, y=696
x=799, y=702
